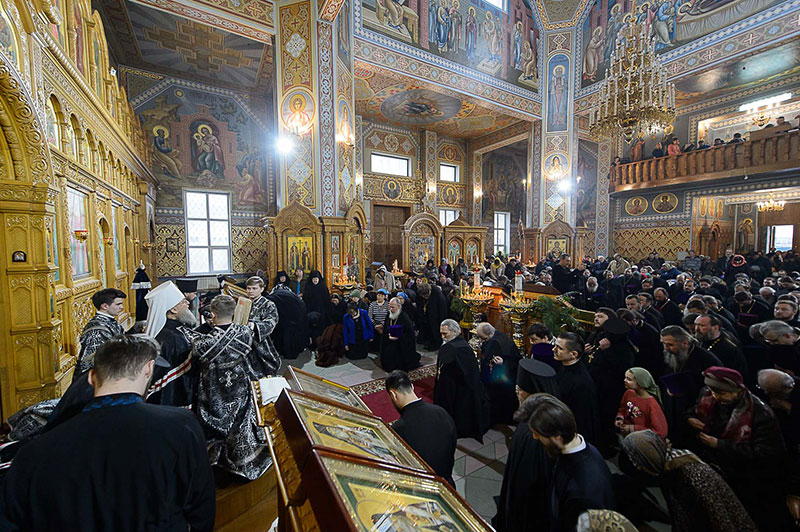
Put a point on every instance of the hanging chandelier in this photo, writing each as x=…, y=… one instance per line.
x=635, y=98
x=771, y=205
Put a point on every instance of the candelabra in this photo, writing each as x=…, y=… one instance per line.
x=518, y=308
x=635, y=97
x=478, y=301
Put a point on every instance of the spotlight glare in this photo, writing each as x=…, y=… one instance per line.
x=564, y=186
x=284, y=145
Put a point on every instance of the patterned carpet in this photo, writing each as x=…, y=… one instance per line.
x=376, y=385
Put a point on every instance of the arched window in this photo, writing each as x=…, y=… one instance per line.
x=53, y=112
x=9, y=43
x=77, y=145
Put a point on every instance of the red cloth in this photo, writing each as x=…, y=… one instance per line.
x=673, y=149
x=643, y=413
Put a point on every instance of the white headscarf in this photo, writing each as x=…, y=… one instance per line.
x=159, y=300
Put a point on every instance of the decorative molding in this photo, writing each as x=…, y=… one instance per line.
x=327, y=128
x=448, y=75
x=256, y=14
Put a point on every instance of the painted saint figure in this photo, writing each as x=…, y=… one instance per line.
x=557, y=103
x=528, y=59
x=518, y=45
x=454, y=39
x=591, y=59
x=442, y=25
x=493, y=35
x=470, y=33
x=165, y=154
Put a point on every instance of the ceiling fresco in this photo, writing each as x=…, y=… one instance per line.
x=153, y=40
x=387, y=99
x=740, y=74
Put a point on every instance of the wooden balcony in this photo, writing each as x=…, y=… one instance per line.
x=770, y=154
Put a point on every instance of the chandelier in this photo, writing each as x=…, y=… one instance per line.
x=771, y=205
x=635, y=99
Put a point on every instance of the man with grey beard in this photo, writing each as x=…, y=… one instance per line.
x=169, y=321
x=685, y=361
x=399, y=348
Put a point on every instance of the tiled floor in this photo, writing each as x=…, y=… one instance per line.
x=478, y=469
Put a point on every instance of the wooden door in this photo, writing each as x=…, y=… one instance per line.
x=387, y=234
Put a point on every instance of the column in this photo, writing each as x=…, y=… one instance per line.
x=313, y=76
x=559, y=133
x=430, y=170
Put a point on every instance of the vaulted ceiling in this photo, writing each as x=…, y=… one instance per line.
x=384, y=97
x=149, y=39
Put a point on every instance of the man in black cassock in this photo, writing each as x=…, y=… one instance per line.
x=671, y=311
x=399, y=347
x=169, y=320
x=580, y=480
x=290, y=335
x=263, y=357
x=499, y=359
x=457, y=388
x=224, y=403
x=118, y=465
x=575, y=385
x=564, y=279
x=432, y=311
x=102, y=326
x=189, y=288
x=524, y=501
x=427, y=428
x=607, y=366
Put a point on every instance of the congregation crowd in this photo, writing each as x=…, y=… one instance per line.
x=687, y=382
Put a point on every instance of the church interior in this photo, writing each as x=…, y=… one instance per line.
x=222, y=139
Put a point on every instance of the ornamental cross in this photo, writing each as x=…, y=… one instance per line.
x=227, y=380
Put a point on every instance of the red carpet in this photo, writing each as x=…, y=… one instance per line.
x=375, y=397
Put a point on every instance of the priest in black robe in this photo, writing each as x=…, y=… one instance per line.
x=169, y=321
x=524, y=501
x=102, y=326
x=607, y=365
x=581, y=479
x=291, y=335
x=457, y=388
x=432, y=311
x=399, y=346
x=499, y=360
x=576, y=386
x=264, y=358
x=224, y=402
x=119, y=464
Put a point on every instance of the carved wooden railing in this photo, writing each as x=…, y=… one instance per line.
x=778, y=152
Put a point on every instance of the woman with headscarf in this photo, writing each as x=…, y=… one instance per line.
x=281, y=278
x=697, y=497
x=524, y=502
x=640, y=408
x=318, y=302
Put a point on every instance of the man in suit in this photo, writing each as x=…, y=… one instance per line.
x=427, y=428
x=457, y=388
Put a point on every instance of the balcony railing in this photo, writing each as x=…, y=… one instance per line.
x=778, y=152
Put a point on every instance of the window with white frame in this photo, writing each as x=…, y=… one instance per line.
x=500, y=4
x=448, y=172
x=390, y=164
x=208, y=232
x=447, y=215
x=502, y=231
